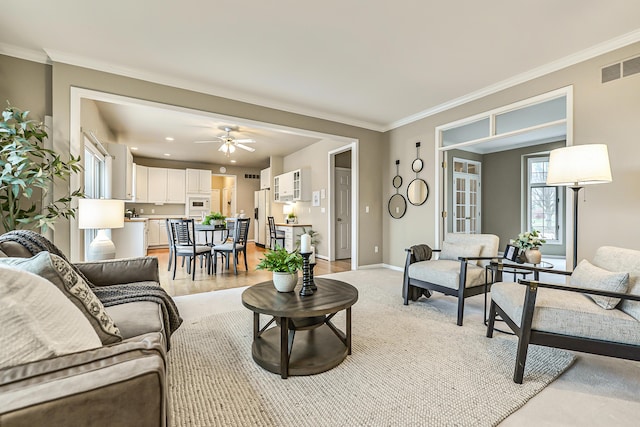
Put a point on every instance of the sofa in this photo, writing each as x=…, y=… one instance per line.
x=597, y=311
x=116, y=379
x=459, y=269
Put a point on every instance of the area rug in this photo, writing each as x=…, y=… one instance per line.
x=411, y=366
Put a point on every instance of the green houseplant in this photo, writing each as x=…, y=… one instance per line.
x=214, y=218
x=27, y=169
x=284, y=266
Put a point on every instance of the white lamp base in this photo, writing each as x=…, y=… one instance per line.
x=101, y=248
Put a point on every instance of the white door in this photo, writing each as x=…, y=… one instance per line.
x=215, y=200
x=466, y=197
x=343, y=212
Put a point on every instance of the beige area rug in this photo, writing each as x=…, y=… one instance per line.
x=411, y=366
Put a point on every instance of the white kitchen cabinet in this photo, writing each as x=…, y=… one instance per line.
x=141, y=179
x=198, y=181
x=122, y=171
x=131, y=240
x=166, y=185
x=293, y=186
x=157, y=235
x=265, y=179
x=292, y=233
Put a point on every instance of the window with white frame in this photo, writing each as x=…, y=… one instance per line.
x=544, y=202
x=94, y=179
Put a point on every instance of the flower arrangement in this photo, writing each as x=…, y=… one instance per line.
x=529, y=240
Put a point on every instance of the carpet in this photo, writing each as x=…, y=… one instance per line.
x=411, y=366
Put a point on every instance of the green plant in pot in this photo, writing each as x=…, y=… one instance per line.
x=284, y=266
x=214, y=218
x=27, y=171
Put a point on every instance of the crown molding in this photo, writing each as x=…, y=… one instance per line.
x=66, y=58
x=576, y=58
x=24, y=53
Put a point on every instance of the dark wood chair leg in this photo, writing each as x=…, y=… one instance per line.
x=492, y=319
x=175, y=264
x=524, y=335
x=460, y=306
x=244, y=254
x=461, y=288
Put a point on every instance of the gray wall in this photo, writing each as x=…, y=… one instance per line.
x=26, y=85
x=603, y=113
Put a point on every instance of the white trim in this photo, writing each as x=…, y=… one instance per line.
x=388, y=266
x=573, y=59
x=371, y=266
x=24, y=53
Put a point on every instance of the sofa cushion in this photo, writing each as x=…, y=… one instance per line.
x=59, y=272
x=137, y=318
x=622, y=260
x=489, y=243
x=446, y=273
x=587, y=275
x=38, y=320
x=452, y=251
x=567, y=313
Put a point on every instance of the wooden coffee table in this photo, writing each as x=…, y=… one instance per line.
x=319, y=344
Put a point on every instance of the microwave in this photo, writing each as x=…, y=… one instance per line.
x=198, y=205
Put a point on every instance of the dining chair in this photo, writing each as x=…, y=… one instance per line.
x=182, y=243
x=232, y=249
x=274, y=234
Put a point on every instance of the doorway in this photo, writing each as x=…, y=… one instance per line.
x=343, y=196
x=342, y=191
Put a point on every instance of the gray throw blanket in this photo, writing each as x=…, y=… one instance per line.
x=108, y=295
x=419, y=253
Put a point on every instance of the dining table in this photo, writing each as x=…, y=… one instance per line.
x=210, y=231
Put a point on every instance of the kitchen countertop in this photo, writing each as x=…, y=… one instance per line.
x=137, y=219
x=282, y=224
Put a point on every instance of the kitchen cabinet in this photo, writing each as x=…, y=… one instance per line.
x=131, y=240
x=166, y=185
x=265, y=179
x=293, y=186
x=141, y=180
x=122, y=171
x=198, y=181
x=292, y=233
x=157, y=234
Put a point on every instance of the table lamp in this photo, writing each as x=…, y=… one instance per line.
x=100, y=214
x=575, y=167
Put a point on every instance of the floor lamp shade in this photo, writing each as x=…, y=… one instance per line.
x=576, y=166
x=100, y=214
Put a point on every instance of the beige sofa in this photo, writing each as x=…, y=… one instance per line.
x=119, y=384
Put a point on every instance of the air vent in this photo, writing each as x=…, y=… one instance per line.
x=631, y=67
x=622, y=69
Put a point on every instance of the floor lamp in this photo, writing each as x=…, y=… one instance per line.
x=575, y=167
x=100, y=214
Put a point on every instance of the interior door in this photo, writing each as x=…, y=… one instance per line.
x=466, y=197
x=215, y=200
x=343, y=213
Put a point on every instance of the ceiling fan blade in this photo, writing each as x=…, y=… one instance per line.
x=223, y=148
x=205, y=142
x=244, y=147
x=245, y=140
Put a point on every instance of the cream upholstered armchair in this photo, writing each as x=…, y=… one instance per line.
x=458, y=270
x=597, y=312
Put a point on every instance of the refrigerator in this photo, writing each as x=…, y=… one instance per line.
x=262, y=205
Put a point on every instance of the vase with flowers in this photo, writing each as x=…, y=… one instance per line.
x=529, y=242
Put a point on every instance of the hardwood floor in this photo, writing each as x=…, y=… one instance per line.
x=226, y=279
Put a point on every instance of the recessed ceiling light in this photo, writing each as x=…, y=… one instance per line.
x=134, y=148
x=169, y=138
x=167, y=154
x=233, y=161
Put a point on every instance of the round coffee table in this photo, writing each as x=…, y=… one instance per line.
x=319, y=344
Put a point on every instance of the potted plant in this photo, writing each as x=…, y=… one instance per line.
x=284, y=266
x=530, y=242
x=214, y=218
x=27, y=170
x=291, y=218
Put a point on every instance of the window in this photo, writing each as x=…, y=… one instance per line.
x=543, y=201
x=94, y=178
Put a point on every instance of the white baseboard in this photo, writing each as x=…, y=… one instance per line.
x=393, y=267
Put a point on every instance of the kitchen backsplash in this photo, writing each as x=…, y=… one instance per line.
x=145, y=209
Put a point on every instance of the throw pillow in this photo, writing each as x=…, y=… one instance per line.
x=59, y=272
x=587, y=275
x=453, y=251
x=38, y=320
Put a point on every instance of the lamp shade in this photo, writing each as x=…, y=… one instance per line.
x=100, y=213
x=579, y=165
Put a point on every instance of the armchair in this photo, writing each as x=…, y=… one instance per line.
x=574, y=317
x=458, y=271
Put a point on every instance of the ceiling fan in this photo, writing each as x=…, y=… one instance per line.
x=229, y=143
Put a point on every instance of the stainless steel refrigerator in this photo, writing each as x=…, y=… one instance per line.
x=262, y=207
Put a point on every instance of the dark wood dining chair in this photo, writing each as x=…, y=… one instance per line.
x=232, y=249
x=274, y=234
x=182, y=243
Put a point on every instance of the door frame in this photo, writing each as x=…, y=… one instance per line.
x=353, y=147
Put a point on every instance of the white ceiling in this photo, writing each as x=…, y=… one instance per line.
x=375, y=64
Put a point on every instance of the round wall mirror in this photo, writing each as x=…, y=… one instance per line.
x=397, y=181
x=417, y=165
x=397, y=206
x=417, y=192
